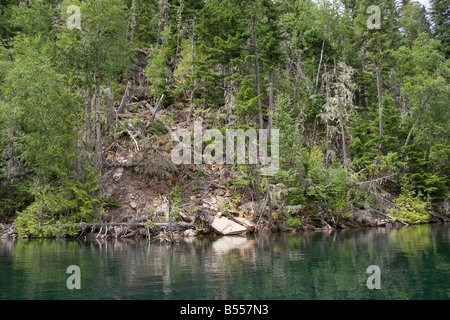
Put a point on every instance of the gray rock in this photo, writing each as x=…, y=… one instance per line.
x=225, y=226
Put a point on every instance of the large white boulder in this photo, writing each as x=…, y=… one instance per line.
x=225, y=226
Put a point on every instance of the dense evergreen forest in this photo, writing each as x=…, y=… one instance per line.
x=359, y=91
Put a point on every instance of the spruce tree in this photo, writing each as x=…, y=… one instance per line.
x=440, y=16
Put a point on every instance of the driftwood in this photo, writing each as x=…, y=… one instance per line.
x=120, y=224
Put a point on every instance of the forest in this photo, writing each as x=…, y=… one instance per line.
x=90, y=92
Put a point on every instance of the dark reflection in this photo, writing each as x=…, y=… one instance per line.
x=414, y=263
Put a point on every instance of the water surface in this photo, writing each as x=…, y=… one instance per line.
x=414, y=264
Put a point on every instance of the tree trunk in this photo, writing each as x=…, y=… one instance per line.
x=380, y=97
x=321, y=58
x=109, y=107
x=132, y=22
x=427, y=154
x=89, y=111
x=366, y=97
x=341, y=117
x=271, y=102
x=327, y=154
x=409, y=136
x=125, y=98
x=258, y=88
x=179, y=22
x=166, y=21
x=191, y=99
x=99, y=137
x=158, y=38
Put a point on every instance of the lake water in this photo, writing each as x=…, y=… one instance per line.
x=414, y=263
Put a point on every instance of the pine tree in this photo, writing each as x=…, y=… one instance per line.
x=440, y=16
x=98, y=51
x=413, y=21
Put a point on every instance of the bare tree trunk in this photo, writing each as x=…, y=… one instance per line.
x=258, y=88
x=191, y=99
x=42, y=202
x=380, y=97
x=271, y=102
x=270, y=205
x=321, y=58
x=427, y=155
x=341, y=117
x=152, y=118
x=132, y=21
x=166, y=13
x=166, y=21
x=366, y=97
x=179, y=22
x=89, y=111
x=327, y=159
x=125, y=98
x=109, y=107
x=409, y=136
x=158, y=38
x=99, y=137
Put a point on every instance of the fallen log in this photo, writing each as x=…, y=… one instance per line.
x=440, y=218
x=390, y=217
x=120, y=224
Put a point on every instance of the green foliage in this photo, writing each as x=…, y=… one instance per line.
x=176, y=197
x=294, y=198
x=292, y=221
x=70, y=202
x=14, y=196
x=246, y=99
x=157, y=72
x=225, y=207
x=202, y=52
x=287, y=124
x=413, y=209
x=440, y=17
x=329, y=187
x=156, y=128
x=240, y=182
x=113, y=202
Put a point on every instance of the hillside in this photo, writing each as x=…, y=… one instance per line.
x=340, y=110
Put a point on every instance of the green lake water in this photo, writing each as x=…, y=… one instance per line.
x=414, y=263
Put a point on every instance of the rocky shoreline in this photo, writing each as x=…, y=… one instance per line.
x=208, y=221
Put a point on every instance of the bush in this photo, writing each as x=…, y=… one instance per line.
x=293, y=221
x=156, y=128
x=66, y=204
x=412, y=209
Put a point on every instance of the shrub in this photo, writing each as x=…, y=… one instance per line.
x=412, y=209
x=156, y=128
x=292, y=221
